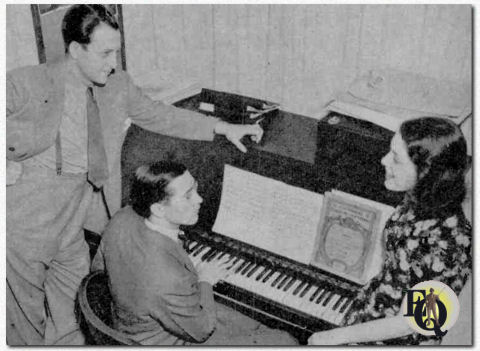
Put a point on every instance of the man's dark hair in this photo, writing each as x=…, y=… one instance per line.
x=438, y=149
x=150, y=183
x=80, y=21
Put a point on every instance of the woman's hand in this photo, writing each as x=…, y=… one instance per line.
x=235, y=132
x=324, y=338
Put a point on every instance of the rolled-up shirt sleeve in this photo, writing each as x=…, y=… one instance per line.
x=184, y=307
x=166, y=119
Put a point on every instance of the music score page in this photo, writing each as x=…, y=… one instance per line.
x=268, y=214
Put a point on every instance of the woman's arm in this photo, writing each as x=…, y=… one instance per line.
x=376, y=330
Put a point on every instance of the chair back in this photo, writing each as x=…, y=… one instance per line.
x=95, y=305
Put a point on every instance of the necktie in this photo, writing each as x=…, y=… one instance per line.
x=97, y=157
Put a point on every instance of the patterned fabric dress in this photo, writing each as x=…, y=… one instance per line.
x=416, y=251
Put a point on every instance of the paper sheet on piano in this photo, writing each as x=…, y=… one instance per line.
x=268, y=214
x=349, y=241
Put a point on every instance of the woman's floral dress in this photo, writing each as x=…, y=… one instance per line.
x=416, y=251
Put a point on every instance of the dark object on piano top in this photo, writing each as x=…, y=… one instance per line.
x=232, y=108
x=352, y=150
x=93, y=309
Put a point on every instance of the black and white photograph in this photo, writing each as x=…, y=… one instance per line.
x=239, y=174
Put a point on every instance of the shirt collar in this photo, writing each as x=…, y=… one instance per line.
x=170, y=233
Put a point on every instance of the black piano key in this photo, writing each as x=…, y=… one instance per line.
x=235, y=260
x=327, y=300
x=232, y=264
x=284, y=281
x=314, y=295
x=213, y=255
x=197, y=250
x=262, y=273
x=324, y=293
x=193, y=247
x=304, y=291
x=342, y=309
x=239, y=268
x=256, y=268
x=268, y=275
x=231, y=259
x=237, y=264
x=221, y=255
x=277, y=280
x=338, y=303
x=290, y=283
x=295, y=292
x=208, y=253
x=249, y=265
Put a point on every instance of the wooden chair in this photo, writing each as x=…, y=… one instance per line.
x=94, y=310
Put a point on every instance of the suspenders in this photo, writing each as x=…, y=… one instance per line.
x=58, y=154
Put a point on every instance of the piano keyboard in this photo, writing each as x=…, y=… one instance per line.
x=315, y=300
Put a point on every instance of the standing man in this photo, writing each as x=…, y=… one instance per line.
x=65, y=129
x=431, y=305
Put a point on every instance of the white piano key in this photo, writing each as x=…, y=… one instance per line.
x=192, y=244
x=329, y=312
x=197, y=258
x=342, y=315
x=251, y=284
x=284, y=294
x=266, y=290
x=318, y=308
x=336, y=312
x=328, y=315
x=289, y=299
x=301, y=300
x=311, y=293
x=277, y=292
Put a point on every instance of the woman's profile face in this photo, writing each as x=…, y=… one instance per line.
x=400, y=171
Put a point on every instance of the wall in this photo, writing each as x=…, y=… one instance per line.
x=21, y=49
x=298, y=55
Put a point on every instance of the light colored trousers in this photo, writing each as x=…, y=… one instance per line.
x=47, y=256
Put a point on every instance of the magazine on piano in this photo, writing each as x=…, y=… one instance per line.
x=349, y=237
x=337, y=232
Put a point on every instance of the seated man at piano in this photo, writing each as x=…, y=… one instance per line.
x=427, y=237
x=160, y=296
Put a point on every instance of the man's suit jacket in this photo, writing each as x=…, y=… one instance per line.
x=35, y=103
x=158, y=299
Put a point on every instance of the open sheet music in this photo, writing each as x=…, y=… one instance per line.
x=339, y=232
x=268, y=214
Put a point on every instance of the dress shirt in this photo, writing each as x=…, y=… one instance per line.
x=73, y=128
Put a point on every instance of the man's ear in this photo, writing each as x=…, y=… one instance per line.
x=157, y=209
x=74, y=49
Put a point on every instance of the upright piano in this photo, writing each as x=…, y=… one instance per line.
x=337, y=152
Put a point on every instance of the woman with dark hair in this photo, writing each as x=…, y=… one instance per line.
x=160, y=297
x=426, y=238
